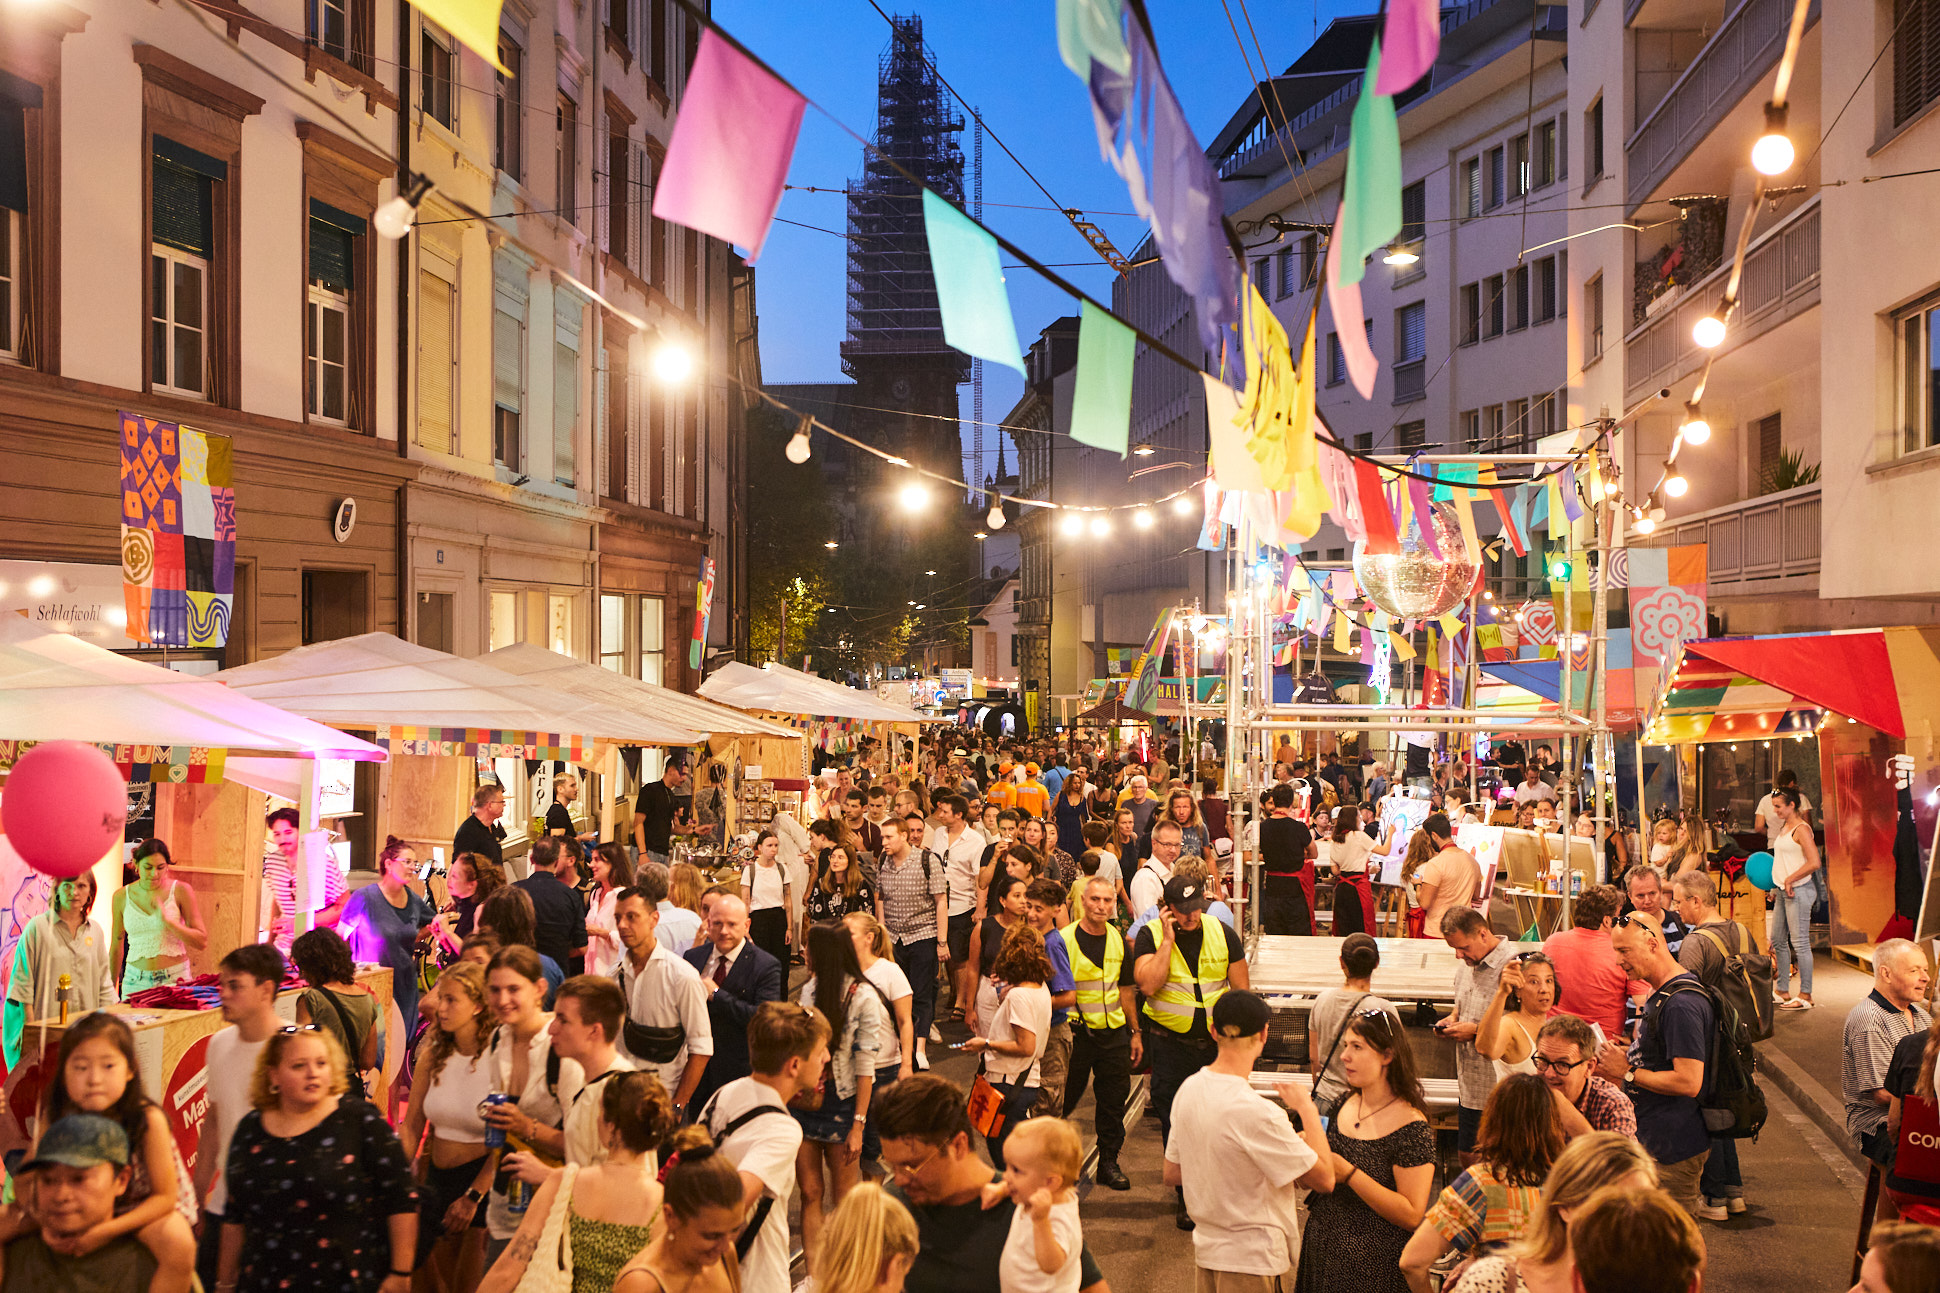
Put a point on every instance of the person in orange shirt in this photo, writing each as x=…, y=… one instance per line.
x=1002, y=793
x=1030, y=795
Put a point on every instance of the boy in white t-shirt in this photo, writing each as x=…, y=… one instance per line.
x=1239, y=1160
x=1042, y=1160
x=249, y=976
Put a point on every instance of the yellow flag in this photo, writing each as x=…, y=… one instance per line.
x=1451, y=624
x=1301, y=451
x=1403, y=648
x=472, y=23
x=1267, y=403
x=1464, y=500
x=1433, y=662
x=1343, y=627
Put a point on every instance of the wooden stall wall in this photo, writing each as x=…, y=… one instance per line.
x=424, y=798
x=216, y=836
x=1861, y=816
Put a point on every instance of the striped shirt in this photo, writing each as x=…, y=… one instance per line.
x=1873, y=1029
x=1478, y=1209
x=280, y=881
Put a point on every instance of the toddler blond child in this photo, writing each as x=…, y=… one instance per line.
x=1042, y=1160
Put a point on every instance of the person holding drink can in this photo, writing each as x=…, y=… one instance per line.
x=531, y=1087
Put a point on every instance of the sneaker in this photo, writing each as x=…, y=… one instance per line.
x=921, y=1063
x=1713, y=1210
x=1735, y=1204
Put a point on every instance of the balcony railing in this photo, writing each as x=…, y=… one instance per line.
x=1750, y=545
x=1781, y=279
x=1725, y=70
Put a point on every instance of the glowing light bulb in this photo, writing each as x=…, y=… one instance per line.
x=1398, y=254
x=1708, y=332
x=1676, y=486
x=673, y=363
x=996, y=518
x=1644, y=525
x=914, y=497
x=1695, y=429
x=1100, y=527
x=1773, y=154
x=798, y=448
x=1183, y=505
x=395, y=218
x=1142, y=518
x=1072, y=525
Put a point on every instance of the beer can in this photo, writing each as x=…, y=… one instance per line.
x=494, y=1136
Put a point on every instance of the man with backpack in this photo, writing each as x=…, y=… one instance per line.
x=1725, y=960
x=1664, y=1071
x=913, y=896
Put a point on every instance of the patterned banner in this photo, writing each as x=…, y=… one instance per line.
x=180, y=764
x=489, y=742
x=703, y=611
x=178, y=533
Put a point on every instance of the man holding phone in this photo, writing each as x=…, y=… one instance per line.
x=1483, y=953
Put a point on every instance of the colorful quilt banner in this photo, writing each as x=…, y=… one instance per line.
x=703, y=611
x=491, y=742
x=178, y=533
x=178, y=764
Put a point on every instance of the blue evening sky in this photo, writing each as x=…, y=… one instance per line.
x=1002, y=58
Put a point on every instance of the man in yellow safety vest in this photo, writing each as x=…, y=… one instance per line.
x=1105, y=1041
x=1183, y=962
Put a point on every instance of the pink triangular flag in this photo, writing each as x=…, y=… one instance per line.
x=1344, y=302
x=1410, y=37
x=730, y=148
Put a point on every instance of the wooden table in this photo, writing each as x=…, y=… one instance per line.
x=1412, y=969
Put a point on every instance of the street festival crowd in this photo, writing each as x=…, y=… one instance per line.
x=623, y=1077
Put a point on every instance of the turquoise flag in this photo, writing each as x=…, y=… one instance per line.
x=1093, y=31
x=1101, y=402
x=1460, y=472
x=969, y=285
x=1370, y=214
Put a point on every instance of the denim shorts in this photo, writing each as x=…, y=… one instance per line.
x=830, y=1124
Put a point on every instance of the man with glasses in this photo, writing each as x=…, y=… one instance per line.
x=934, y=1172
x=1566, y=1049
x=480, y=833
x=1663, y=1072
x=1148, y=884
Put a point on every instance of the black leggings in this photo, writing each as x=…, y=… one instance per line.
x=768, y=930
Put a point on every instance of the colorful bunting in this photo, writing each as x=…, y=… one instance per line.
x=1232, y=466
x=1101, y=401
x=1093, y=31
x=969, y=285
x=1268, y=402
x=1350, y=327
x=728, y=155
x=1514, y=527
x=1370, y=206
x=703, y=612
x=1376, y=518
x=1410, y=38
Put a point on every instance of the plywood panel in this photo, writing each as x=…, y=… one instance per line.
x=424, y=798
x=216, y=835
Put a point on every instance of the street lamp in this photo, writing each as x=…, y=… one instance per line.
x=915, y=496
x=673, y=363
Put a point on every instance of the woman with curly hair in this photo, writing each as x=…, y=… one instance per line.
x=1018, y=1028
x=1497, y=1200
x=444, y=1127
x=470, y=880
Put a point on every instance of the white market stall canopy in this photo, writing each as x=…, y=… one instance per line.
x=376, y=682
x=57, y=687
x=777, y=689
x=591, y=682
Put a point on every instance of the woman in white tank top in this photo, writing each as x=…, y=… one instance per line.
x=452, y=1079
x=161, y=922
x=1523, y=997
x=1795, y=874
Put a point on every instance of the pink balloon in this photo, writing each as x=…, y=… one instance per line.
x=64, y=806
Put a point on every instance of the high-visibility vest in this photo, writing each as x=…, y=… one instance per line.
x=1175, y=1003
x=1099, y=1005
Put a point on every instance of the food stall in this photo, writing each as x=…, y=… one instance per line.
x=201, y=749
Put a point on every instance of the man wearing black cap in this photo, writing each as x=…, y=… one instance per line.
x=1238, y=1160
x=80, y=1168
x=1183, y=964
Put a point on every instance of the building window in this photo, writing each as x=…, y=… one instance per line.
x=343, y=30
x=1593, y=138
x=1469, y=430
x=510, y=124
x=1414, y=222
x=1768, y=442
x=328, y=321
x=1262, y=275
x=1492, y=429
x=657, y=62
x=437, y=361
x=1411, y=333
x=1469, y=199
x=565, y=404
x=1515, y=415
x=182, y=226
x=1498, y=178
x=1518, y=298
x=1916, y=69
x=1545, y=298
x=1309, y=261
x=1411, y=435
x=1544, y=163
x=1593, y=319
x=1492, y=306
x=653, y=640
x=1471, y=296
x=1364, y=441
x=1336, y=361
x=618, y=191
x=1283, y=273
x=612, y=648
x=10, y=258
x=1519, y=176
x=437, y=73
x=566, y=160
x=508, y=385
x=1919, y=383
x=618, y=21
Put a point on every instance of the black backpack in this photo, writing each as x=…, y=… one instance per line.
x=1733, y=1107
x=1746, y=981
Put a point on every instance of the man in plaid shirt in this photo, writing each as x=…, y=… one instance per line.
x=914, y=893
x=1565, y=1058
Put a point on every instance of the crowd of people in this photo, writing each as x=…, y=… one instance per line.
x=625, y=1075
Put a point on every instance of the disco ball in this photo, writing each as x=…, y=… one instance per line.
x=1414, y=584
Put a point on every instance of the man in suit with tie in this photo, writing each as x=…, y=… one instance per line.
x=737, y=977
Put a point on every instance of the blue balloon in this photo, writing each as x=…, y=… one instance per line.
x=1758, y=869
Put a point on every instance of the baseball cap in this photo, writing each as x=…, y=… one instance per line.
x=1182, y=894
x=1239, y=1013
x=1032, y=767
x=78, y=1140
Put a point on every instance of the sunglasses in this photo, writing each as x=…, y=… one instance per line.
x=299, y=1028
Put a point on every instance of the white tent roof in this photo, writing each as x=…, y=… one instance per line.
x=781, y=690
x=57, y=687
x=616, y=689
x=376, y=681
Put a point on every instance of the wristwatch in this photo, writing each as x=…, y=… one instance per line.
x=475, y=1195
x=1630, y=1077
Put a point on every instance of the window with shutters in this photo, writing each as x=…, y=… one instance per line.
x=1516, y=423
x=1543, y=302
x=1919, y=376
x=619, y=21
x=619, y=192
x=657, y=41
x=10, y=294
x=1518, y=304
x=1468, y=430
x=1767, y=442
x=508, y=367
x=1364, y=441
x=566, y=160
x=1469, y=196
x=1593, y=319
x=1543, y=165
x=1498, y=178
x=1493, y=314
x=1471, y=313
x=343, y=29
x=509, y=125
x=1411, y=333
x=1593, y=139
x=1263, y=275
x=1283, y=273
x=565, y=402
x=18, y=99
x=1519, y=176
x=1411, y=435
x=1414, y=223
x=328, y=338
x=1492, y=426
x=437, y=361
x=1916, y=56
x=1309, y=261
x=690, y=270
x=437, y=76
x=1336, y=360
x=182, y=230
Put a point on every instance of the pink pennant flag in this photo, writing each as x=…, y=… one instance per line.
x=1344, y=302
x=1410, y=38
x=730, y=148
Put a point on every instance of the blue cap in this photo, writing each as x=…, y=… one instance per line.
x=78, y=1140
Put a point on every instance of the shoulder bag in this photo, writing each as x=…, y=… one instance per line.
x=1328, y=1110
x=551, y=1267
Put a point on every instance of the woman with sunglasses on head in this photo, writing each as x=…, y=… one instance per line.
x=1384, y=1167
x=1795, y=856
x=1524, y=995
x=1494, y=1201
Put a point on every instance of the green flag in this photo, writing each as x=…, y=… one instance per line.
x=1370, y=214
x=1093, y=31
x=1101, y=401
x=969, y=285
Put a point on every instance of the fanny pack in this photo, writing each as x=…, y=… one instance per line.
x=654, y=1045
